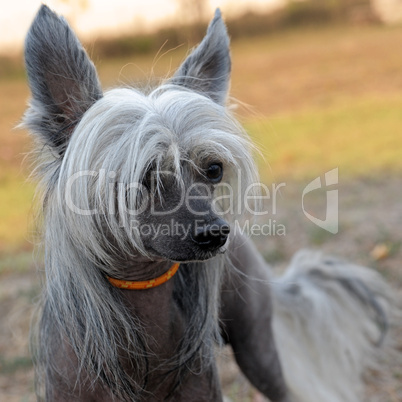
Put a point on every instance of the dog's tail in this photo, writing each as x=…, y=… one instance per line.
x=330, y=322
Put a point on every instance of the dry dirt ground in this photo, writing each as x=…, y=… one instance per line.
x=370, y=215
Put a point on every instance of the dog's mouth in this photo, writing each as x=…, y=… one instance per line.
x=200, y=245
x=195, y=254
x=201, y=255
x=211, y=237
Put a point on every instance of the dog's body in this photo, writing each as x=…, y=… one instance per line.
x=100, y=343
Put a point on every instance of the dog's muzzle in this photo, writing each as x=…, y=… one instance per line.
x=212, y=236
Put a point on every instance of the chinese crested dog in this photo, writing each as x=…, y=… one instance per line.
x=144, y=276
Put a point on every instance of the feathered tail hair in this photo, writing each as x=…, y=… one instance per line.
x=332, y=321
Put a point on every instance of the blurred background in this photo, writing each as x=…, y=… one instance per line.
x=317, y=84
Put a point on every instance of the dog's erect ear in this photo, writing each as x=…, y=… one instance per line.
x=63, y=80
x=207, y=68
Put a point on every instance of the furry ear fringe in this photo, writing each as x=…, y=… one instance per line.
x=207, y=69
x=62, y=78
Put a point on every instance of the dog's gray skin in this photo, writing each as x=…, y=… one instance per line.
x=246, y=318
x=64, y=87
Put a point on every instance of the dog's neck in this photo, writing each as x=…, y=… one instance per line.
x=142, y=269
x=156, y=310
x=152, y=306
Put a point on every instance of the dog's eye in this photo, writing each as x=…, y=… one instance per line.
x=215, y=172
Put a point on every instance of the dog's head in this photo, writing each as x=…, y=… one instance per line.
x=129, y=172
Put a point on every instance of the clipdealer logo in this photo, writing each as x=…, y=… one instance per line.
x=331, y=222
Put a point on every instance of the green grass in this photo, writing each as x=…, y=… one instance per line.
x=15, y=213
x=361, y=138
x=13, y=262
x=10, y=366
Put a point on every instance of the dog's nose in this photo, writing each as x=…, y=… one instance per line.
x=212, y=236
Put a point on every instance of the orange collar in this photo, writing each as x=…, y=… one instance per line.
x=152, y=283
